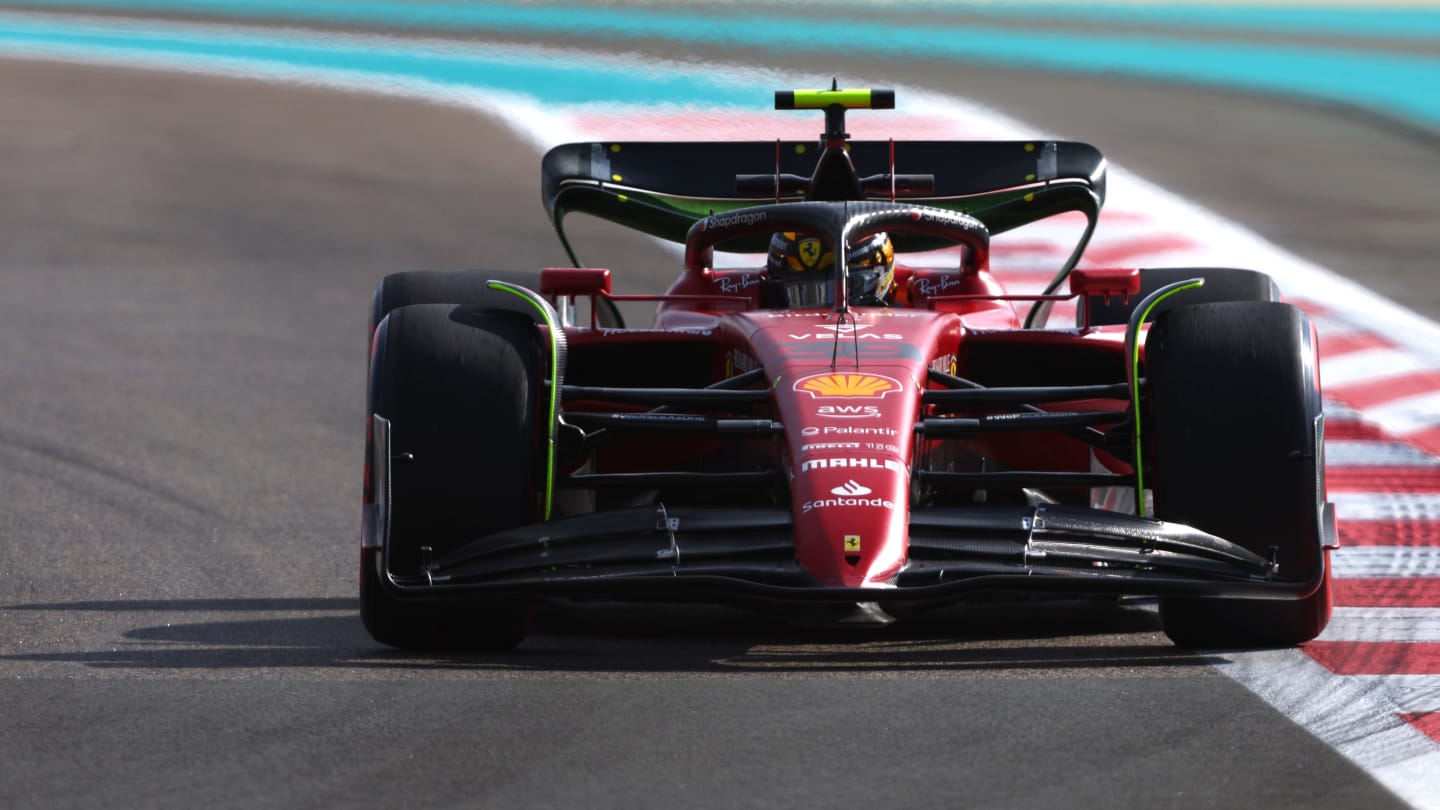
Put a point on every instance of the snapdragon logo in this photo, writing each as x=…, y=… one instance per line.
x=740, y=218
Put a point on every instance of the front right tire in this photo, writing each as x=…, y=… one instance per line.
x=1238, y=452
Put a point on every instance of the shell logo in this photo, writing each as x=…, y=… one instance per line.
x=847, y=386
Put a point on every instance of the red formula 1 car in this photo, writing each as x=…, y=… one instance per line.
x=843, y=429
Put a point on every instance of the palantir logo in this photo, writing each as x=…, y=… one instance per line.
x=850, y=489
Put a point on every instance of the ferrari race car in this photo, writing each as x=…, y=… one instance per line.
x=849, y=425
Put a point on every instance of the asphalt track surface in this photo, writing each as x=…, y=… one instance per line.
x=185, y=265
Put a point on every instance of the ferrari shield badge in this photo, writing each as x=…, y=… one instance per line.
x=809, y=251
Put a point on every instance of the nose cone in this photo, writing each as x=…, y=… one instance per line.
x=851, y=514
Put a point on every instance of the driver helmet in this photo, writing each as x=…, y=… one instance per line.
x=803, y=265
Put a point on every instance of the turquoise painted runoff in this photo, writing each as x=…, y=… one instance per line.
x=374, y=60
x=1401, y=85
x=1367, y=18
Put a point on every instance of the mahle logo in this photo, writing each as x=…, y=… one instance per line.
x=847, y=386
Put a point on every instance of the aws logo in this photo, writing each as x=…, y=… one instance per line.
x=847, y=386
x=849, y=411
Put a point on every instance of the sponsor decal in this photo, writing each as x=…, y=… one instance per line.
x=848, y=386
x=672, y=418
x=849, y=330
x=849, y=463
x=943, y=217
x=738, y=282
x=930, y=286
x=806, y=448
x=851, y=489
x=852, y=543
x=847, y=430
x=731, y=220
x=811, y=349
x=831, y=503
x=810, y=431
x=945, y=364
x=738, y=362
x=684, y=330
x=849, y=411
x=883, y=447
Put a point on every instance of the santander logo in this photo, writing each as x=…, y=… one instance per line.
x=850, y=489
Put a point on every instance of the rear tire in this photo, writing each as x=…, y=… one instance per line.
x=1221, y=284
x=460, y=387
x=1237, y=452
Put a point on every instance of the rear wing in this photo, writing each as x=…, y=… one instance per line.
x=662, y=188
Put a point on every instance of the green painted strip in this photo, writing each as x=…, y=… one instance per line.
x=547, y=314
x=1132, y=337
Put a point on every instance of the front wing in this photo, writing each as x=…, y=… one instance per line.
x=704, y=554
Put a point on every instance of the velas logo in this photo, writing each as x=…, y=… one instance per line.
x=847, y=386
x=854, y=331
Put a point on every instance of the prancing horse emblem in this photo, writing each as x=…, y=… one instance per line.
x=809, y=251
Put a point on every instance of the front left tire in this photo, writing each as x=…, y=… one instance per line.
x=460, y=387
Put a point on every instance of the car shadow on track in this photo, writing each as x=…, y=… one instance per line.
x=1009, y=638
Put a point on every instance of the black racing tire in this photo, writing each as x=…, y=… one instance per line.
x=467, y=287
x=1237, y=452
x=460, y=387
x=1221, y=284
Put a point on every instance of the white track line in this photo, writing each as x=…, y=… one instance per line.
x=1355, y=717
x=1409, y=694
x=1359, y=562
x=1369, y=365
x=1389, y=506
x=1362, y=453
x=1408, y=415
x=1407, y=625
